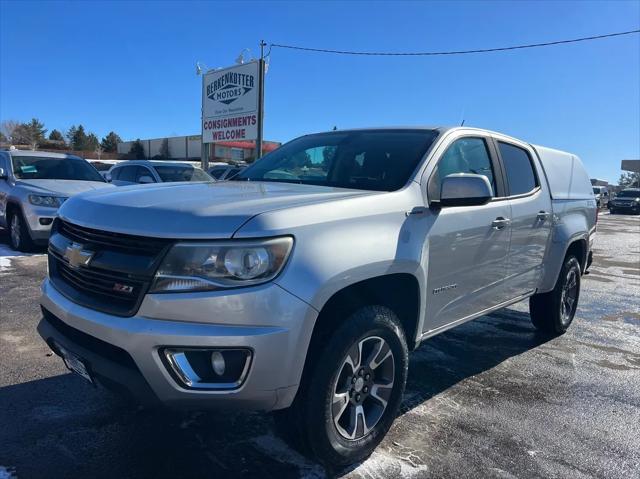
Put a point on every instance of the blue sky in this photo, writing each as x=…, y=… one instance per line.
x=129, y=67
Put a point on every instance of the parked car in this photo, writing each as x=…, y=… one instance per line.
x=222, y=173
x=102, y=167
x=602, y=196
x=145, y=171
x=304, y=296
x=627, y=201
x=33, y=185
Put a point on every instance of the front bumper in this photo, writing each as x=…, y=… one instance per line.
x=626, y=207
x=35, y=216
x=275, y=325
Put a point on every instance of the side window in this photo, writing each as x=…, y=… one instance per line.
x=128, y=173
x=466, y=155
x=517, y=163
x=115, y=173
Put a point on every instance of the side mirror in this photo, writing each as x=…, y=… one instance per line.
x=145, y=179
x=462, y=189
x=108, y=177
x=3, y=174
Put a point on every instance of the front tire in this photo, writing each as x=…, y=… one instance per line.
x=19, y=236
x=351, y=391
x=553, y=312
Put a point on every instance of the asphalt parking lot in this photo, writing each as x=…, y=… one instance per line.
x=491, y=398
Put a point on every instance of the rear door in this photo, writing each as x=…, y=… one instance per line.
x=531, y=215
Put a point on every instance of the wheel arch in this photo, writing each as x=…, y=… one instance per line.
x=400, y=292
x=578, y=245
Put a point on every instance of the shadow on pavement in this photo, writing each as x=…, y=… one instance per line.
x=64, y=427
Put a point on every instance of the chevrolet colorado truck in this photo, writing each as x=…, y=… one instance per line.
x=301, y=286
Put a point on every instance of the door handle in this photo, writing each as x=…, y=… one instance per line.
x=542, y=215
x=500, y=223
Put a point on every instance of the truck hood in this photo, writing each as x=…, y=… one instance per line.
x=190, y=210
x=61, y=187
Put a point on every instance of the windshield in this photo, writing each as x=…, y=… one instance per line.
x=629, y=194
x=379, y=160
x=181, y=173
x=44, y=168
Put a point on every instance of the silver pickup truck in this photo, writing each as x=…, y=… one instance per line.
x=300, y=286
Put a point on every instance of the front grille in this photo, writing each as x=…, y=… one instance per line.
x=117, y=241
x=118, y=275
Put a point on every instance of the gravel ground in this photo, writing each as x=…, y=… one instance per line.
x=490, y=398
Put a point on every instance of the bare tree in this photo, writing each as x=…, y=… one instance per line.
x=8, y=127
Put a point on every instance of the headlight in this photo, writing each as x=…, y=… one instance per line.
x=224, y=264
x=49, y=201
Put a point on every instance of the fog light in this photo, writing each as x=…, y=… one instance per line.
x=46, y=221
x=217, y=363
x=208, y=368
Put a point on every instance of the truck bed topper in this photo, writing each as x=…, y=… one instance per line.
x=567, y=177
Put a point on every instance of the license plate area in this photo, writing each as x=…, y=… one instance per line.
x=75, y=364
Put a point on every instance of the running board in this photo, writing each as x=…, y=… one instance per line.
x=442, y=329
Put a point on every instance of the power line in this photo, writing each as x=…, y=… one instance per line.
x=458, y=52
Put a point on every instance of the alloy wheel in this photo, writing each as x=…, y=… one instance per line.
x=569, y=296
x=15, y=231
x=363, y=387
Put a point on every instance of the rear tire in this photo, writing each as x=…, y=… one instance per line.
x=351, y=391
x=19, y=235
x=554, y=311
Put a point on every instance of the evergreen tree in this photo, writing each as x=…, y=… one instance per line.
x=71, y=132
x=110, y=142
x=164, y=149
x=137, y=150
x=55, y=135
x=78, y=140
x=32, y=133
x=91, y=142
x=3, y=138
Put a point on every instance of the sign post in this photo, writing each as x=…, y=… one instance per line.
x=260, y=102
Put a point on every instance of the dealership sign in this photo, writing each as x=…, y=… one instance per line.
x=230, y=103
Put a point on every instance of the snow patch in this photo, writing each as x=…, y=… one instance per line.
x=382, y=464
x=5, y=264
x=7, y=473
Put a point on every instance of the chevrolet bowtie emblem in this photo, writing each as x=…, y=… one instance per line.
x=76, y=256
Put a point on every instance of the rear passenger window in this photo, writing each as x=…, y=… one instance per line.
x=517, y=164
x=466, y=155
x=128, y=173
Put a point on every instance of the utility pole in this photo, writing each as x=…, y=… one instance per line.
x=260, y=101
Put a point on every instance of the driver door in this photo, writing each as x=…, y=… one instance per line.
x=467, y=246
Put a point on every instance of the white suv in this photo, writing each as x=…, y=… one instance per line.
x=33, y=185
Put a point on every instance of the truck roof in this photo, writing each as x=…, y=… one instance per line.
x=566, y=175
